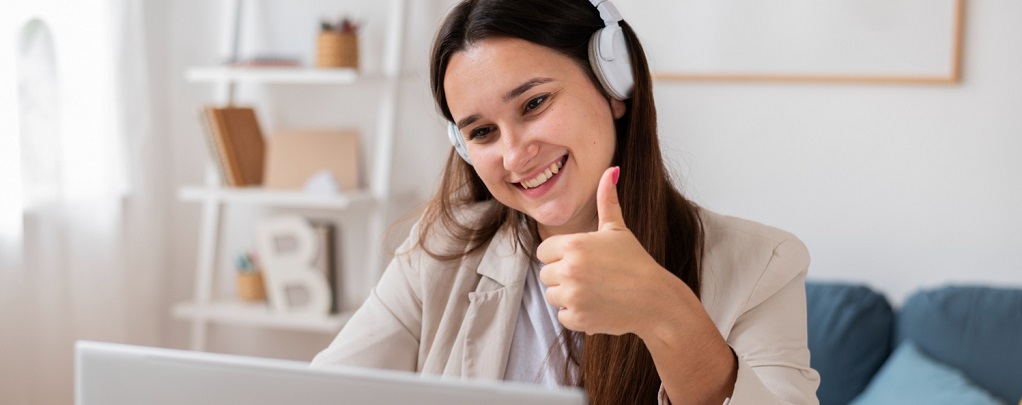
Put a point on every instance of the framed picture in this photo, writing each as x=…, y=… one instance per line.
x=907, y=41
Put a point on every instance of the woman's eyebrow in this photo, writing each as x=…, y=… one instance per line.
x=468, y=120
x=510, y=95
x=524, y=87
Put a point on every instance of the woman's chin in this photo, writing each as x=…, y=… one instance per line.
x=548, y=223
x=547, y=219
x=556, y=223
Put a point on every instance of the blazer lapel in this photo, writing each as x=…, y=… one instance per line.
x=493, y=308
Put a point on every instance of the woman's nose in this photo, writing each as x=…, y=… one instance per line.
x=519, y=150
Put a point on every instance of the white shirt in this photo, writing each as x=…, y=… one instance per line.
x=537, y=354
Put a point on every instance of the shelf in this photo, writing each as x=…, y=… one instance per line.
x=259, y=315
x=296, y=75
x=228, y=82
x=259, y=195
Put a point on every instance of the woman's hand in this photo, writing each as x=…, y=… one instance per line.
x=605, y=281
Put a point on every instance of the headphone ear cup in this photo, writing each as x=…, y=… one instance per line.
x=458, y=142
x=610, y=59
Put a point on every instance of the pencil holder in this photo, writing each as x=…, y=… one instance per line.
x=251, y=286
x=337, y=50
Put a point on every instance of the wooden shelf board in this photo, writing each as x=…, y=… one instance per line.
x=259, y=195
x=259, y=315
x=272, y=75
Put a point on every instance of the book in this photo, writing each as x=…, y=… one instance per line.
x=216, y=152
x=326, y=261
x=237, y=144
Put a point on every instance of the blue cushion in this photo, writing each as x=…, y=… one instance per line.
x=977, y=330
x=910, y=377
x=850, y=332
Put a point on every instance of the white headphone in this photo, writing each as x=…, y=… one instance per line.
x=458, y=142
x=608, y=57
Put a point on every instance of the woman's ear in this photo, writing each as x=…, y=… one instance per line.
x=617, y=107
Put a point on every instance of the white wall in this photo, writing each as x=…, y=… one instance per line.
x=897, y=186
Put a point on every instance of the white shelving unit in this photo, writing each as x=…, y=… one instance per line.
x=287, y=199
x=282, y=75
x=246, y=314
x=203, y=309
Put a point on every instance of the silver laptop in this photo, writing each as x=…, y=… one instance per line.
x=113, y=374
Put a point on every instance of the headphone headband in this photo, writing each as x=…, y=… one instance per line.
x=608, y=12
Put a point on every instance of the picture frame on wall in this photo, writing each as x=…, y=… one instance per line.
x=894, y=41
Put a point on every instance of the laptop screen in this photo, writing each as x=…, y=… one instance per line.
x=111, y=374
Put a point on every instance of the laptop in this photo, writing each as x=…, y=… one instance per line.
x=114, y=374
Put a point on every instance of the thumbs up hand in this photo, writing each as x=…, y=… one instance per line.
x=605, y=281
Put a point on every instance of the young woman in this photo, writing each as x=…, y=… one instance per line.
x=557, y=250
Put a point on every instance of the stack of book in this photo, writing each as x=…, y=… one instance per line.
x=236, y=144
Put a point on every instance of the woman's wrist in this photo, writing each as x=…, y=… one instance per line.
x=671, y=311
x=692, y=357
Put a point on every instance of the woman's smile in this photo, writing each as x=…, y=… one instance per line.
x=544, y=176
x=539, y=184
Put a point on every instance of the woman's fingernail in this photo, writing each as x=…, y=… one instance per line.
x=617, y=173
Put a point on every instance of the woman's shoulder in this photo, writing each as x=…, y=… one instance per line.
x=434, y=244
x=729, y=230
x=439, y=234
x=748, y=258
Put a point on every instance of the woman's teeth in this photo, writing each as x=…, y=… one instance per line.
x=543, y=177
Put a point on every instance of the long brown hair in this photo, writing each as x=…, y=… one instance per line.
x=612, y=369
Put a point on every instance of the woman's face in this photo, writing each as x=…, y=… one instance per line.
x=539, y=132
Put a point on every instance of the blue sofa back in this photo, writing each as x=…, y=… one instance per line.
x=977, y=330
x=852, y=331
x=850, y=336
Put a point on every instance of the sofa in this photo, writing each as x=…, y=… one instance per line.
x=948, y=345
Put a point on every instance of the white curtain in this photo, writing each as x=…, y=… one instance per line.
x=80, y=192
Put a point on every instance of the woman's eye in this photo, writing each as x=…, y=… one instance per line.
x=478, y=133
x=535, y=103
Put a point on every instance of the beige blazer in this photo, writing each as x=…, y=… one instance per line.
x=457, y=318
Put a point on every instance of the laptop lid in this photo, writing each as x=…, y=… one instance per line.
x=112, y=374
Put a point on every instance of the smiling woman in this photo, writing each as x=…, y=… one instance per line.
x=563, y=254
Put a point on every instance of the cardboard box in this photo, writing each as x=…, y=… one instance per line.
x=292, y=157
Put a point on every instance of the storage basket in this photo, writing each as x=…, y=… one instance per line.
x=337, y=50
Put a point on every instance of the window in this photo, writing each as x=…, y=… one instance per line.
x=38, y=115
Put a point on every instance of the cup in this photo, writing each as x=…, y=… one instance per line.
x=251, y=286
